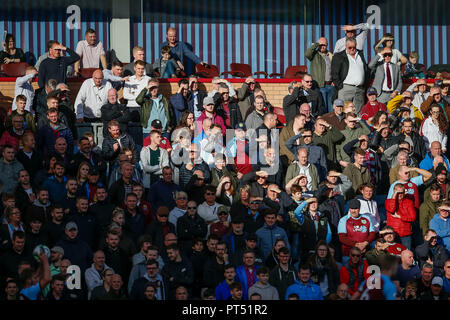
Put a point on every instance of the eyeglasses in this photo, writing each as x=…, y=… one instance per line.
x=307, y=81
x=182, y=198
x=435, y=112
x=210, y=194
x=254, y=202
x=351, y=48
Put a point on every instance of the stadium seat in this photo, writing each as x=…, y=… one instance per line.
x=86, y=73
x=16, y=69
x=293, y=72
x=242, y=70
x=280, y=116
x=209, y=71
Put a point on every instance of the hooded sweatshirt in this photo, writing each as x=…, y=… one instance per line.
x=267, y=291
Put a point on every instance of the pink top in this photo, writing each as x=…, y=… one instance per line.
x=90, y=55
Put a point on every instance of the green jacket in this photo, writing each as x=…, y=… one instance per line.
x=427, y=211
x=146, y=104
x=373, y=258
x=350, y=134
x=357, y=177
x=317, y=63
x=294, y=169
x=328, y=142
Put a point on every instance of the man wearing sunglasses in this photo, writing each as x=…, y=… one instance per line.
x=55, y=66
x=388, y=76
x=349, y=73
x=441, y=224
x=354, y=271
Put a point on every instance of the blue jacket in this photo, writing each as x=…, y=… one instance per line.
x=56, y=190
x=267, y=237
x=241, y=277
x=179, y=52
x=223, y=291
x=308, y=291
x=442, y=228
x=427, y=162
x=179, y=104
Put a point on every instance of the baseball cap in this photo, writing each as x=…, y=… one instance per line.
x=241, y=126
x=71, y=225
x=208, y=100
x=222, y=209
x=156, y=124
x=440, y=169
x=338, y=103
x=57, y=249
x=354, y=204
x=371, y=90
x=437, y=281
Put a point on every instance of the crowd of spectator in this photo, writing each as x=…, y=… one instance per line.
x=213, y=197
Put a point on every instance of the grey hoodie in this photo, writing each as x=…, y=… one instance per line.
x=267, y=292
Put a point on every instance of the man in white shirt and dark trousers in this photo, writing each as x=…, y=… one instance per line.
x=135, y=85
x=388, y=76
x=92, y=95
x=349, y=73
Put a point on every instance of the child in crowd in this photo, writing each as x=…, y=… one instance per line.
x=166, y=66
x=412, y=67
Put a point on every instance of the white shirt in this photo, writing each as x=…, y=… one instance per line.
x=360, y=39
x=133, y=88
x=305, y=171
x=355, y=75
x=207, y=212
x=23, y=86
x=431, y=133
x=90, y=55
x=91, y=98
x=385, y=86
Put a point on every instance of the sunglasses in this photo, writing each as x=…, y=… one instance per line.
x=192, y=208
x=308, y=136
x=209, y=194
x=433, y=238
x=153, y=88
x=351, y=48
x=164, y=215
x=255, y=202
x=307, y=81
x=356, y=255
x=387, y=55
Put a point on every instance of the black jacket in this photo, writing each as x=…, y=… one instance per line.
x=213, y=273
x=282, y=280
x=139, y=286
x=235, y=112
x=188, y=229
x=438, y=255
x=102, y=211
x=155, y=230
x=182, y=274
x=32, y=165
x=56, y=68
x=77, y=251
x=291, y=104
x=309, y=235
x=118, y=112
x=419, y=144
x=126, y=141
x=339, y=68
x=118, y=261
x=117, y=192
x=314, y=97
x=95, y=159
x=22, y=198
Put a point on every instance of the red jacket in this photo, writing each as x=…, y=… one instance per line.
x=216, y=119
x=368, y=111
x=405, y=209
x=345, y=276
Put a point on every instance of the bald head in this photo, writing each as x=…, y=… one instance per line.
x=323, y=44
x=436, y=148
x=97, y=76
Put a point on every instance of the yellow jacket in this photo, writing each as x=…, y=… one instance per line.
x=396, y=102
